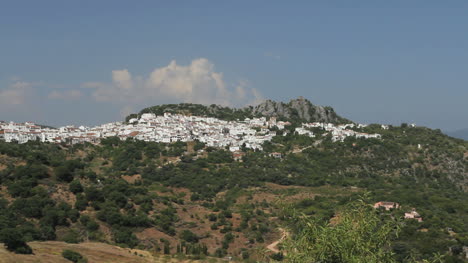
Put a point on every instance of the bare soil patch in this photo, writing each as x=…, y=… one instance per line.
x=63, y=194
x=131, y=179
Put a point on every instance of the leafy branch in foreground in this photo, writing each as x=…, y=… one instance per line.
x=359, y=234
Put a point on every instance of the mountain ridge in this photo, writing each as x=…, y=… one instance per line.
x=296, y=110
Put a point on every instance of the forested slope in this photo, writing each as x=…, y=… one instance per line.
x=194, y=200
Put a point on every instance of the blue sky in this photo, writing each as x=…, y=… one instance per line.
x=89, y=62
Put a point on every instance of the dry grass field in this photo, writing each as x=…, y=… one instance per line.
x=51, y=252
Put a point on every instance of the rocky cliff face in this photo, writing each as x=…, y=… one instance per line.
x=297, y=109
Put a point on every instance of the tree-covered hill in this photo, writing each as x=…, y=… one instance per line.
x=216, y=111
x=192, y=200
x=296, y=110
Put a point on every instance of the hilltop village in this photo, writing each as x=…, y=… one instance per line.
x=249, y=133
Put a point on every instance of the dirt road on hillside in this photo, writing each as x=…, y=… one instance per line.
x=273, y=246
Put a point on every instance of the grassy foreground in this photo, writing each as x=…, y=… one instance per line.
x=51, y=252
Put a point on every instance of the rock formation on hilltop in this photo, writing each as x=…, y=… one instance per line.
x=300, y=110
x=297, y=109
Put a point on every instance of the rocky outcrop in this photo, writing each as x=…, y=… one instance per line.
x=299, y=109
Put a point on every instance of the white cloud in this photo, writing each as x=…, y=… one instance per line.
x=65, y=95
x=122, y=79
x=16, y=93
x=197, y=82
x=258, y=98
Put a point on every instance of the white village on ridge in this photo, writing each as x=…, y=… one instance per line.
x=250, y=133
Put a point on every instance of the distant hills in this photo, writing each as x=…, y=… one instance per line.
x=296, y=110
x=461, y=134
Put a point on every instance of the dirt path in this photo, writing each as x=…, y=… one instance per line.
x=272, y=246
x=302, y=149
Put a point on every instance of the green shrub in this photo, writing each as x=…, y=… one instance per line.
x=188, y=236
x=14, y=241
x=75, y=187
x=73, y=256
x=71, y=237
x=361, y=235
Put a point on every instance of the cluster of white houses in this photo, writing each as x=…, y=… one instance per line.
x=250, y=133
x=392, y=205
x=339, y=132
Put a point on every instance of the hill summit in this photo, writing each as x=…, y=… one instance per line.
x=296, y=110
x=299, y=109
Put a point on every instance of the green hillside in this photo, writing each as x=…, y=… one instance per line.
x=195, y=201
x=215, y=111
